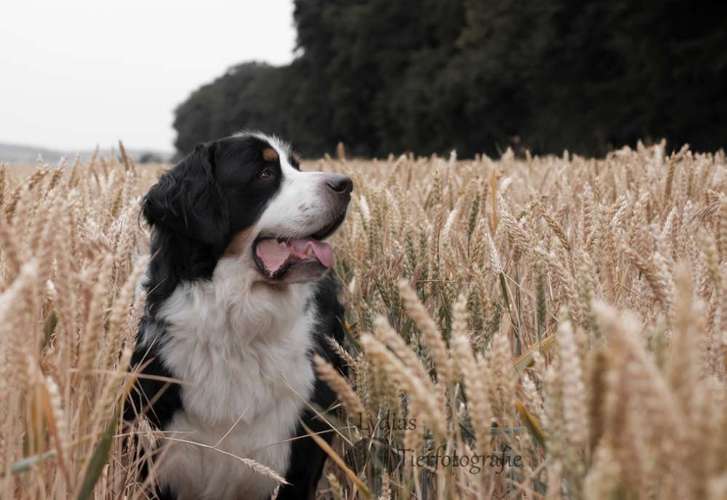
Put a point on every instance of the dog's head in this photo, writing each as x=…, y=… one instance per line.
x=245, y=195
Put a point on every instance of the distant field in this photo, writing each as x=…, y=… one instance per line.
x=17, y=154
x=20, y=170
x=518, y=328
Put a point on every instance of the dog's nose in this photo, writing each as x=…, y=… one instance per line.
x=341, y=184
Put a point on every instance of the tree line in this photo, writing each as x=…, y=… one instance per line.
x=429, y=76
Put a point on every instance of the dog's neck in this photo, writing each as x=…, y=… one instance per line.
x=176, y=259
x=231, y=330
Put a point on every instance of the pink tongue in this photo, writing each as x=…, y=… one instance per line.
x=275, y=254
x=320, y=250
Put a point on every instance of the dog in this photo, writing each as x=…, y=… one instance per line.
x=239, y=297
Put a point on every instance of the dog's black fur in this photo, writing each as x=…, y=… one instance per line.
x=194, y=211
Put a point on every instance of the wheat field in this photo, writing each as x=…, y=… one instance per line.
x=531, y=327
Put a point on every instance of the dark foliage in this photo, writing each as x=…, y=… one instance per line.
x=481, y=75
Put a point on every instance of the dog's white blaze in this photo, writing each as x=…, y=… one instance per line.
x=241, y=351
x=300, y=204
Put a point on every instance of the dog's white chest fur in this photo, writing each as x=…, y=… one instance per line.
x=241, y=350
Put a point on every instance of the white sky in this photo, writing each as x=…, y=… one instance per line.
x=77, y=73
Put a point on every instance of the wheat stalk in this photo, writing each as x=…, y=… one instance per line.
x=609, y=277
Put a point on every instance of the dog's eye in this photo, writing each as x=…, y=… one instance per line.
x=266, y=173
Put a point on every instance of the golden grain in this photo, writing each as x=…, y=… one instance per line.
x=337, y=382
x=456, y=266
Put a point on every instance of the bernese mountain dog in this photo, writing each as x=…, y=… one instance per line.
x=239, y=297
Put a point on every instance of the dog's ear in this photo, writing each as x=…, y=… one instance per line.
x=187, y=200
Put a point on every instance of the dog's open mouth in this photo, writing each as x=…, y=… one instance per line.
x=295, y=259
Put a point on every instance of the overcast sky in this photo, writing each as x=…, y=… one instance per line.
x=77, y=73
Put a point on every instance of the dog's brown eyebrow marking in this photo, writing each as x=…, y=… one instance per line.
x=269, y=154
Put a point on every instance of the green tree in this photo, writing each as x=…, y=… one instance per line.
x=478, y=75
